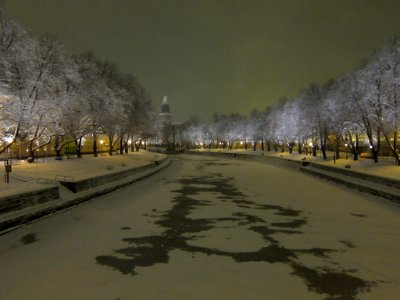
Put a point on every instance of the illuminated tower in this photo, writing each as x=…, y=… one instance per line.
x=165, y=113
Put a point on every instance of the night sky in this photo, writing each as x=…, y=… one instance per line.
x=220, y=55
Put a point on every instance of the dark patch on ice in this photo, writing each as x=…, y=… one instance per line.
x=243, y=202
x=30, y=238
x=319, y=252
x=248, y=219
x=290, y=224
x=180, y=231
x=274, y=253
x=125, y=228
x=280, y=211
x=219, y=164
x=243, y=206
x=336, y=284
x=348, y=244
x=358, y=215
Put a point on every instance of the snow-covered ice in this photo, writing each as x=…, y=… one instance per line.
x=211, y=228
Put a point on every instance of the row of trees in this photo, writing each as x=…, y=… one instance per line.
x=361, y=106
x=48, y=95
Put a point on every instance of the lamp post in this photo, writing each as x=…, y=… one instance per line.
x=101, y=146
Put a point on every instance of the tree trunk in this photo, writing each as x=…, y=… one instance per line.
x=57, y=146
x=323, y=148
x=357, y=147
x=58, y=154
x=392, y=147
x=111, y=142
x=78, y=147
x=396, y=151
x=31, y=152
x=337, y=152
x=314, y=149
x=374, y=154
x=95, y=147
x=121, y=146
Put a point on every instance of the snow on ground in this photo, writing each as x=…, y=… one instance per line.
x=24, y=176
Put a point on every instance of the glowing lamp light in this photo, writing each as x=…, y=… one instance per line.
x=370, y=147
x=101, y=142
x=345, y=145
x=310, y=144
x=129, y=142
x=241, y=143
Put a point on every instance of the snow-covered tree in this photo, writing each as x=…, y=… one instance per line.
x=16, y=84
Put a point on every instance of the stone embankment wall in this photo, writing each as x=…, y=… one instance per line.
x=88, y=183
x=28, y=198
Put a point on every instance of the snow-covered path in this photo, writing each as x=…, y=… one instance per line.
x=208, y=228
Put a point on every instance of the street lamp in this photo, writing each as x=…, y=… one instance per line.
x=9, y=139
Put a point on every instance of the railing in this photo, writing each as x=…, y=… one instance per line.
x=64, y=178
x=46, y=181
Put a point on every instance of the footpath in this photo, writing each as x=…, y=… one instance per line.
x=48, y=185
x=381, y=179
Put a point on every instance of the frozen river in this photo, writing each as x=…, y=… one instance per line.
x=211, y=228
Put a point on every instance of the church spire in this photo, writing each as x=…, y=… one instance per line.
x=165, y=111
x=165, y=100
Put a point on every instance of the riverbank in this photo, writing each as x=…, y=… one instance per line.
x=39, y=189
